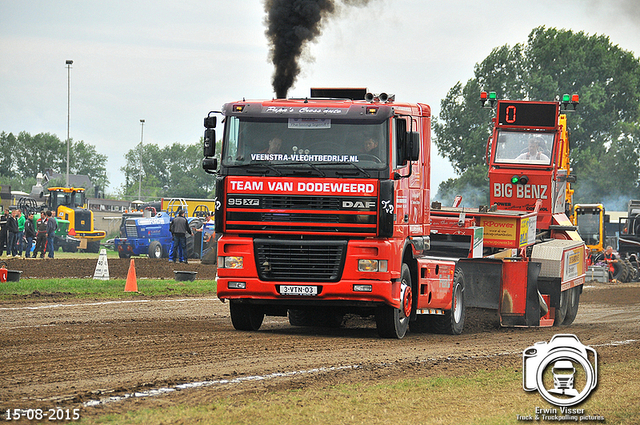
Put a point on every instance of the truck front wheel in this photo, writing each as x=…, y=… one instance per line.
x=245, y=317
x=452, y=322
x=393, y=322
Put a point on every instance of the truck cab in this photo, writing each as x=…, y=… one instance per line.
x=321, y=203
x=528, y=158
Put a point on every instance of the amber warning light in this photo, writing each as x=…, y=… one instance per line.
x=372, y=110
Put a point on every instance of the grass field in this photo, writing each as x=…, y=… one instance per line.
x=494, y=397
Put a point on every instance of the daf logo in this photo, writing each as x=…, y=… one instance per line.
x=358, y=204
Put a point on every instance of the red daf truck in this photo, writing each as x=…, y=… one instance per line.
x=323, y=207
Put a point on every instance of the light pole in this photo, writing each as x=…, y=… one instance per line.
x=69, y=62
x=140, y=171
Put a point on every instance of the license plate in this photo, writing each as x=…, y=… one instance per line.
x=298, y=290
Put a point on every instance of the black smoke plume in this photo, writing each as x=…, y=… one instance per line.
x=290, y=25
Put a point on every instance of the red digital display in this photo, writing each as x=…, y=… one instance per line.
x=527, y=114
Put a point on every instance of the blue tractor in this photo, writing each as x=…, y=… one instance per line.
x=151, y=235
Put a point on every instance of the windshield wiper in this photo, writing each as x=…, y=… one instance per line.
x=363, y=171
x=267, y=165
x=322, y=173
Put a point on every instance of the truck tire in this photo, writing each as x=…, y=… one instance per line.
x=393, y=322
x=619, y=271
x=633, y=266
x=155, y=250
x=64, y=245
x=573, y=301
x=452, y=322
x=245, y=317
x=93, y=247
x=562, y=308
x=632, y=273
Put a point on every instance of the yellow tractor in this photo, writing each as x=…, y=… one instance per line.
x=69, y=203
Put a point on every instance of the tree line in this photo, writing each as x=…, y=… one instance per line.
x=171, y=171
x=24, y=156
x=604, y=132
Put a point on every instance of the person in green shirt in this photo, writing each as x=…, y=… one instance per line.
x=21, y=219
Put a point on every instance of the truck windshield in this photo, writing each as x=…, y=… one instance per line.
x=79, y=199
x=524, y=148
x=589, y=227
x=288, y=141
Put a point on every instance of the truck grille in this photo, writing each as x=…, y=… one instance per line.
x=301, y=202
x=132, y=231
x=302, y=214
x=298, y=261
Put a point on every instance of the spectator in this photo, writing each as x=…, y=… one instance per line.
x=41, y=236
x=613, y=262
x=180, y=230
x=29, y=234
x=3, y=232
x=21, y=220
x=52, y=225
x=12, y=234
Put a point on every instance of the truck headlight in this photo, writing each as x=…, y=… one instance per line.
x=231, y=262
x=372, y=265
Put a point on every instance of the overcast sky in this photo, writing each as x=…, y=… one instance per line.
x=171, y=62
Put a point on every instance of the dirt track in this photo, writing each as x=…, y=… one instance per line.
x=70, y=353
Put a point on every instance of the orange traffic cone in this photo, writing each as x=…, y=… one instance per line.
x=132, y=282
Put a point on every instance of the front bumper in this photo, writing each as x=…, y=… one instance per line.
x=341, y=293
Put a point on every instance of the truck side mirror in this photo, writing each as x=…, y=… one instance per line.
x=210, y=121
x=210, y=165
x=401, y=141
x=209, y=142
x=412, y=151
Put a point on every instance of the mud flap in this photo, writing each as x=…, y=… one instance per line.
x=519, y=301
x=483, y=280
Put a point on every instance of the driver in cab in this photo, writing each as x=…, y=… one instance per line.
x=534, y=152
